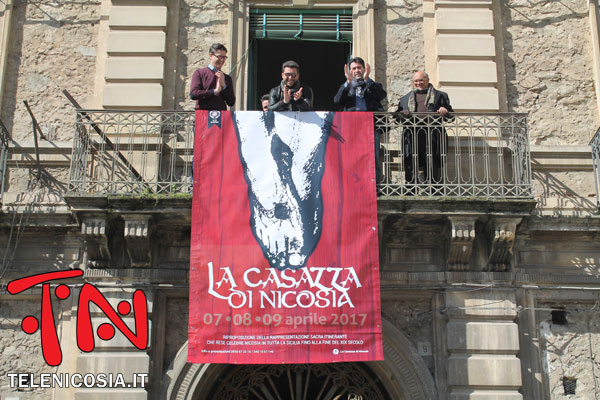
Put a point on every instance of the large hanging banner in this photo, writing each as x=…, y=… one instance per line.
x=284, y=250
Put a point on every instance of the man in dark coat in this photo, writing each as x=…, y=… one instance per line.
x=424, y=129
x=361, y=93
x=290, y=95
x=212, y=88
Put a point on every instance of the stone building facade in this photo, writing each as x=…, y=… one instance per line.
x=483, y=297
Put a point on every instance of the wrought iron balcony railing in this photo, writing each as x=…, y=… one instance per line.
x=595, y=143
x=131, y=152
x=466, y=155
x=479, y=155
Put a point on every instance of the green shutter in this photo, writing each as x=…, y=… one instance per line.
x=301, y=24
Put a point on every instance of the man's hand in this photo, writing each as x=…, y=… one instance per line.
x=367, y=72
x=297, y=95
x=287, y=95
x=219, y=87
x=347, y=74
x=221, y=77
x=442, y=111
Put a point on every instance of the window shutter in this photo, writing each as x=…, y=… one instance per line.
x=301, y=24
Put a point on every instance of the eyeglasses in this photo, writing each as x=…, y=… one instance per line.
x=219, y=57
x=290, y=74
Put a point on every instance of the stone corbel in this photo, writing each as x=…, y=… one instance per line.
x=502, y=234
x=94, y=233
x=137, y=236
x=461, y=242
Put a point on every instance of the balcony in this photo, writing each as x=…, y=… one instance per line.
x=483, y=156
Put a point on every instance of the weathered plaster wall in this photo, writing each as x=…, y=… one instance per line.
x=52, y=47
x=548, y=66
x=572, y=350
x=20, y=352
x=564, y=192
x=399, y=45
x=201, y=23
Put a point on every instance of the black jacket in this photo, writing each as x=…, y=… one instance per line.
x=305, y=103
x=374, y=93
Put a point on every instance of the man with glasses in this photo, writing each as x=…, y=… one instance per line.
x=426, y=131
x=290, y=95
x=212, y=88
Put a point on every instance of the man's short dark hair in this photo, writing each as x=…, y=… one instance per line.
x=290, y=64
x=264, y=97
x=357, y=60
x=217, y=47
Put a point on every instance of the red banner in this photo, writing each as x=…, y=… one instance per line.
x=284, y=249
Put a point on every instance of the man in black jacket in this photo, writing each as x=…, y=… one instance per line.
x=424, y=129
x=290, y=95
x=361, y=93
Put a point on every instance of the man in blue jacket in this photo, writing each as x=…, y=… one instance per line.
x=361, y=93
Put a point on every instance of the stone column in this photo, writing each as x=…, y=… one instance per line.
x=482, y=344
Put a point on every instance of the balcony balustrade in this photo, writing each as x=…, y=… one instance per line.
x=479, y=156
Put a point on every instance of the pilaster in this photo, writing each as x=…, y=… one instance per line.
x=137, y=45
x=482, y=343
x=465, y=53
x=5, y=18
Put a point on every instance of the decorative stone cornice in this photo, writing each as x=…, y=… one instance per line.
x=94, y=232
x=502, y=235
x=462, y=236
x=137, y=234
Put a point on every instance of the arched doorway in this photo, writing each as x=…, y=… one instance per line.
x=298, y=382
x=402, y=375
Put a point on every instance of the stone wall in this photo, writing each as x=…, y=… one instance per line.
x=571, y=350
x=52, y=47
x=20, y=352
x=201, y=23
x=414, y=319
x=399, y=45
x=176, y=329
x=549, y=69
